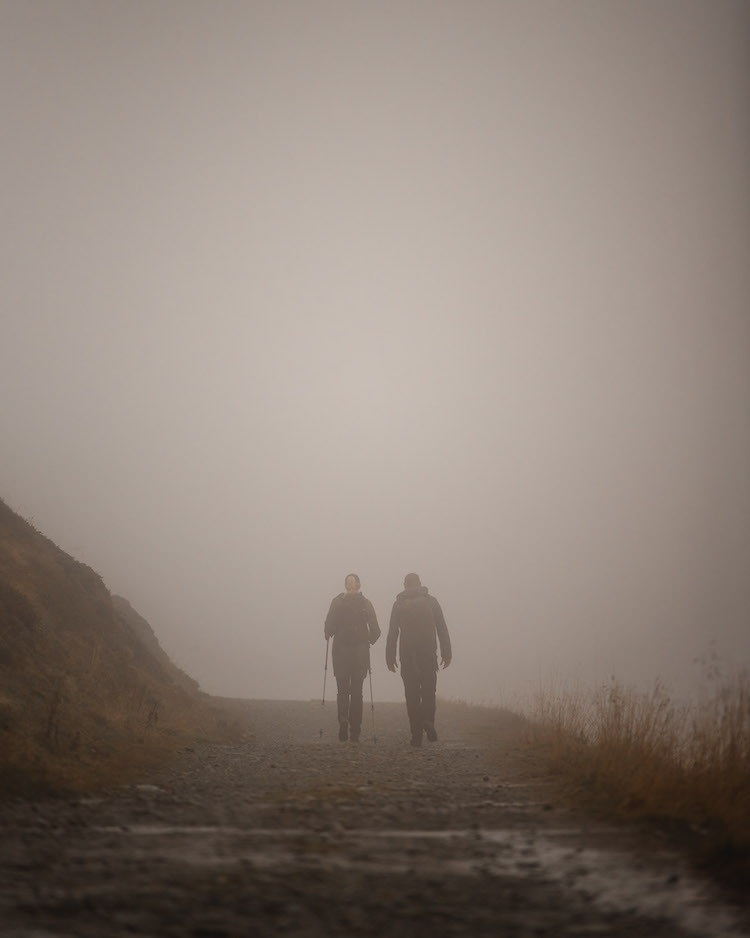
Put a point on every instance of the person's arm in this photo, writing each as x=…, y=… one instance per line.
x=373, y=629
x=444, y=639
x=392, y=639
x=329, y=628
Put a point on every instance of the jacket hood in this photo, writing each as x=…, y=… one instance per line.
x=413, y=592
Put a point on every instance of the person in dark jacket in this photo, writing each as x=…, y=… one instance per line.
x=418, y=625
x=352, y=623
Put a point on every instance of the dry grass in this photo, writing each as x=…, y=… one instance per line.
x=70, y=750
x=652, y=757
x=89, y=698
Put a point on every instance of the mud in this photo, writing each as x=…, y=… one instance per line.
x=292, y=832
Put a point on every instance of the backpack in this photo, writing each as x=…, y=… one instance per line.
x=351, y=618
x=417, y=620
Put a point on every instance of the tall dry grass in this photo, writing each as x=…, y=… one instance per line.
x=652, y=755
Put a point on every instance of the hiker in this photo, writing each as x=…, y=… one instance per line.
x=418, y=623
x=352, y=623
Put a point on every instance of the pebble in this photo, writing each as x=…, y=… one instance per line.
x=291, y=832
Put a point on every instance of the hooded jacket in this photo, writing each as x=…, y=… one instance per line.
x=352, y=623
x=421, y=642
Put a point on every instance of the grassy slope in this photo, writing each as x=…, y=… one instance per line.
x=87, y=695
x=684, y=768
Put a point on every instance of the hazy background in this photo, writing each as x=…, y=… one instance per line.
x=293, y=289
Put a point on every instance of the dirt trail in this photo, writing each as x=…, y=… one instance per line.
x=291, y=832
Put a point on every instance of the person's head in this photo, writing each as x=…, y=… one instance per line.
x=412, y=581
x=352, y=583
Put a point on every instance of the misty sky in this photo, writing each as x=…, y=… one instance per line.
x=302, y=287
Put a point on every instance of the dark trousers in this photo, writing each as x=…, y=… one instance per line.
x=350, y=664
x=349, y=699
x=419, y=673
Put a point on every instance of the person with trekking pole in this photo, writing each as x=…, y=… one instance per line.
x=353, y=625
x=418, y=625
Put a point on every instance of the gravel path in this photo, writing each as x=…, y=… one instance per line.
x=291, y=832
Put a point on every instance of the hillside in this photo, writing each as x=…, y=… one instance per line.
x=87, y=694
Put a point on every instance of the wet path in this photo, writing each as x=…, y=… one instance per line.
x=294, y=833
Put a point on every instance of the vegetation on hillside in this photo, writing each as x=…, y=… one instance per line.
x=683, y=765
x=87, y=695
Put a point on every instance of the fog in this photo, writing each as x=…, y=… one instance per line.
x=293, y=289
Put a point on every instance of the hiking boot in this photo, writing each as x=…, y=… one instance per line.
x=416, y=740
x=431, y=732
x=343, y=731
x=354, y=735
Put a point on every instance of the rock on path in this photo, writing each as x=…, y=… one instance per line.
x=291, y=832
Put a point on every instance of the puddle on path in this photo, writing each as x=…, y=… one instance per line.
x=612, y=880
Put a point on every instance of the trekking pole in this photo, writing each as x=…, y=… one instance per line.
x=372, y=699
x=325, y=675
